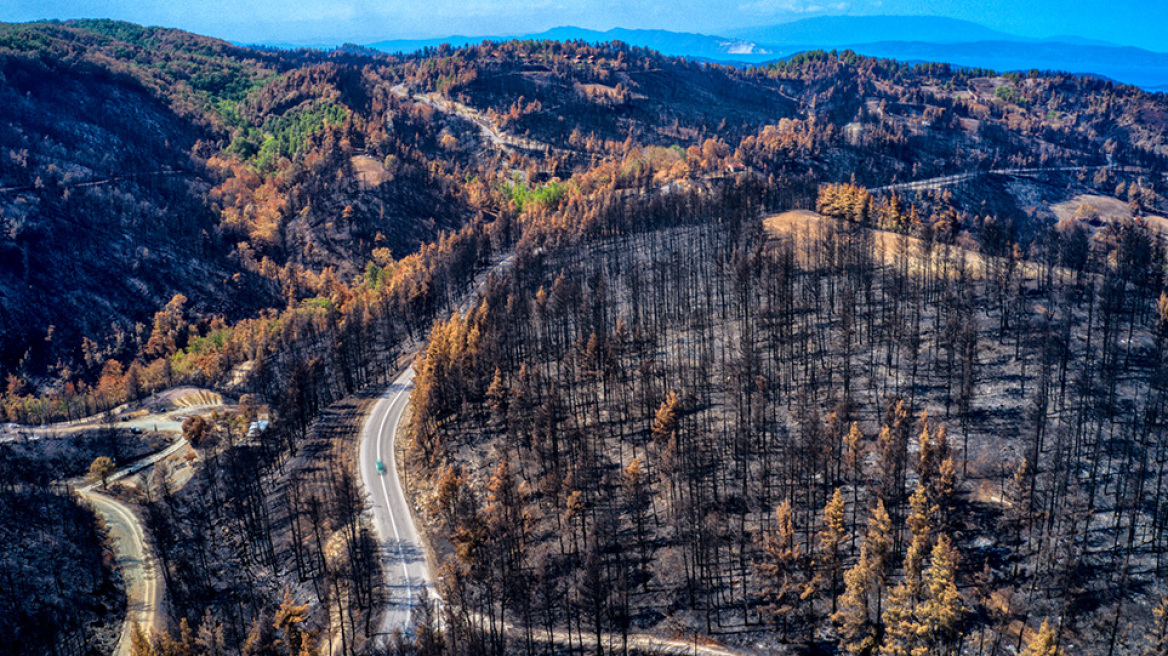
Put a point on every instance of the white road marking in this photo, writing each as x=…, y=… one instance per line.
x=385, y=494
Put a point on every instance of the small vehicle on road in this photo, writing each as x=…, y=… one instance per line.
x=380, y=466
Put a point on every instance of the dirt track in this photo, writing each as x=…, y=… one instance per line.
x=145, y=589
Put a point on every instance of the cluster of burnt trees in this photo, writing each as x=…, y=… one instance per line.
x=836, y=436
x=1060, y=114
x=284, y=508
x=345, y=146
x=253, y=506
x=59, y=593
x=230, y=540
x=284, y=632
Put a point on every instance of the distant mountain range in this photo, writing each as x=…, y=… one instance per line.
x=1126, y=64
x=834, y=31
x=905, y=38
x=664, y=41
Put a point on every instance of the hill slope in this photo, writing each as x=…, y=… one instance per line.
x=141, y=163
x=104, y=211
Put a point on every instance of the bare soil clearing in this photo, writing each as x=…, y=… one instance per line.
x=1107, y=209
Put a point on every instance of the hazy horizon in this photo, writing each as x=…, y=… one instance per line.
x=364, y=21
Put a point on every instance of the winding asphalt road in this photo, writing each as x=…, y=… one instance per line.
x=403, y=557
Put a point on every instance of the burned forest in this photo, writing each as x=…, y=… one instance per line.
x=558, y=347
x=809, y=433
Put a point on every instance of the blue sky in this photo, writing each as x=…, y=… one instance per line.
x=1129, y=22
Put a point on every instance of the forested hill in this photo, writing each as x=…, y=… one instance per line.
x=148, y=170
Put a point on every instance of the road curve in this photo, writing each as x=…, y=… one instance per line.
x=145, y=589
x=138, y=465
x=487, y=127
x=402, y=554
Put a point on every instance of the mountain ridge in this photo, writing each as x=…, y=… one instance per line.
x=664, y=41
x=903, y=38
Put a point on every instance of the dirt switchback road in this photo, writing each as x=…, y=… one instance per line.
x=144, y=585
x=145, y=588
x=487, y=127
